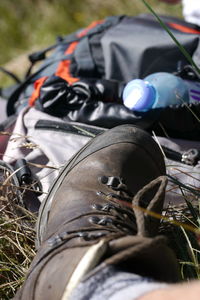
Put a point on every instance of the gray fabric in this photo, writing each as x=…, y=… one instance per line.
x=186, y=174
x=47, y=148
x=52, y=148
x=113, y=284
x=142, y=57
x=3, y=114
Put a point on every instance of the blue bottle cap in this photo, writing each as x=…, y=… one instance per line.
x=139, y=95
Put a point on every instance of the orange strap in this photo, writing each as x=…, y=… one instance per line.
x=36, y=93
x=92, y=25
x=63, y=69
x=184, y=29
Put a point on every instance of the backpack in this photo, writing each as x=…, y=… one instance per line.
x=40, y=145
x=76, y=94
x=96, y=62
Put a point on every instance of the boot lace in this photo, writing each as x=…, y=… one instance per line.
x=122, y=213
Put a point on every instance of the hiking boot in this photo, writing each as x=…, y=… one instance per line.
x=99, y=212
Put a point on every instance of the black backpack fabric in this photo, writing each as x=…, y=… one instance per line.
x=82, y=80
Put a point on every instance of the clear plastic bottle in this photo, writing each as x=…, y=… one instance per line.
x=154, y=91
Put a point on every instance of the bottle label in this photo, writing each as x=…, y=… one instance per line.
x=194, y=91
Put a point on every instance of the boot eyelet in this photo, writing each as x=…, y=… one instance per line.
x=108, y=207
x=94, y=220
x=101, y=194
x=64, y=235
x=105, y=221
x=103, y=179
x=83, y=235
x=97, y=206
x=55, y=241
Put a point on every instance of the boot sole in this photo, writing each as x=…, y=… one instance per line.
x=119, y=134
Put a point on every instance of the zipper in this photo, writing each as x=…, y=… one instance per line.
x=189, y=157
x=78, y=129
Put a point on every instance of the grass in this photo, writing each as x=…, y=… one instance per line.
x=16, y=237
x=27, y=25
x=180, y=223
x=42, y=21
x=181, y=226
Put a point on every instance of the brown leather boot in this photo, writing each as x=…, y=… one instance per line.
x=96, y=214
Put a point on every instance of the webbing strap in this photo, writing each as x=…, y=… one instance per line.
x=63, y=69
x=183, y=28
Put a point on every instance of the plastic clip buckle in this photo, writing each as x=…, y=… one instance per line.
x=190, y=157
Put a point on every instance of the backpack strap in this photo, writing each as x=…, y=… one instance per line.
x=63, y=69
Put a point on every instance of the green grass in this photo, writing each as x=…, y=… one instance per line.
x=27, y=25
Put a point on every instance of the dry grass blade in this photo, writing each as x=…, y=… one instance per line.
x=17, y=236
x=194, y=257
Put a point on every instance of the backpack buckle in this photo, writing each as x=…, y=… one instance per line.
x=190, y=157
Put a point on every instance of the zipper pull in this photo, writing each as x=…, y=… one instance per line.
x=23, y=173
x=190, y=157
x=31, y=188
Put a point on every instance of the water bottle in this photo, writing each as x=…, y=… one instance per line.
x=155, y=91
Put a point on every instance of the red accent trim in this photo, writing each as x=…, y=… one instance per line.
x=63, y=69
x=184, y=29
x=92, y=25
x=36, y=93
